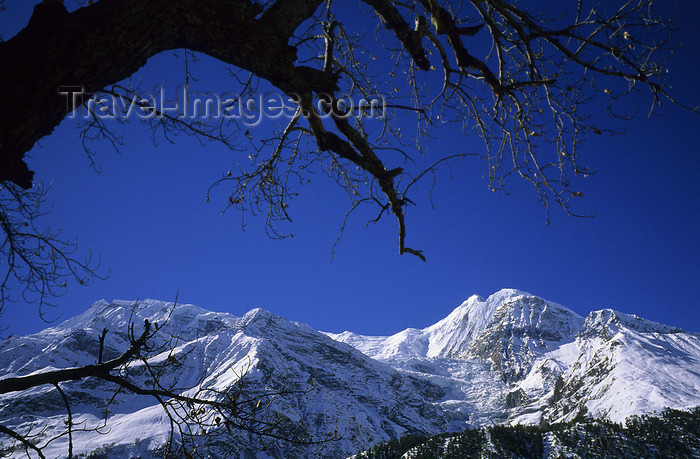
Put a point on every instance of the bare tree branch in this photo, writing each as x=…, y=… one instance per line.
x=193, y=411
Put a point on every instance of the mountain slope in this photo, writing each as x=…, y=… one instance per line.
x=366, y=401
x=510, y=358
x=619, y=365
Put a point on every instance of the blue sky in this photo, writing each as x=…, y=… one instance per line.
x=145, y=214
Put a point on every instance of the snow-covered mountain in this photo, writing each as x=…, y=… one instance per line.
x=510, y=358
x=547, y=363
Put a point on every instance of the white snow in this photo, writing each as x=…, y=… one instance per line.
x=509, y=358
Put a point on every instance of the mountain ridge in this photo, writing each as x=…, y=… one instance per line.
x=507, y=359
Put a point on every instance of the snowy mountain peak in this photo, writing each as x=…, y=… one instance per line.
x=258, y=315
x=119, y=313
x=472, y=327
x=606, y=323
x=504, y=313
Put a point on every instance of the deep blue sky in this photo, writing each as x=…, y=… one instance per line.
x=146, y=215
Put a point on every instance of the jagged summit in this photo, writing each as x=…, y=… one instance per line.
x=608, y=322
x=508, y=310
x=118, y=313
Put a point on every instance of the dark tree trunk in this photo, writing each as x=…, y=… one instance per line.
x=107, y=42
